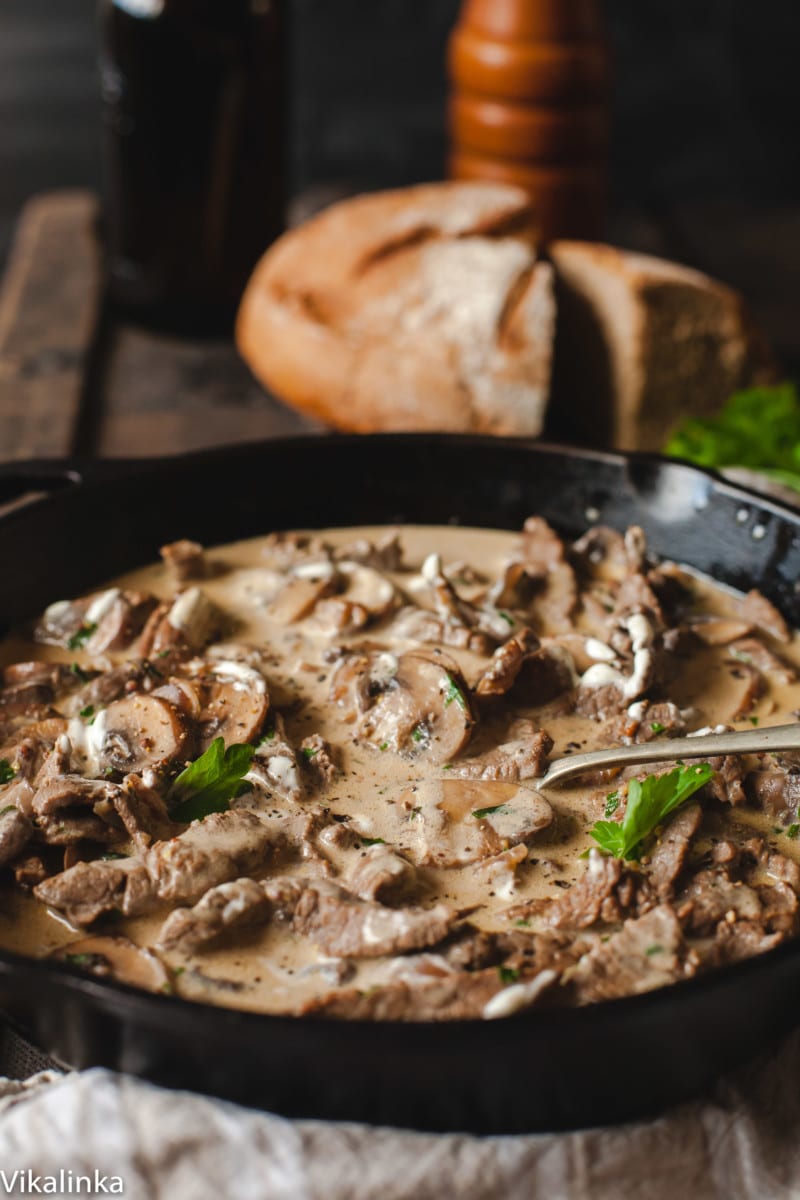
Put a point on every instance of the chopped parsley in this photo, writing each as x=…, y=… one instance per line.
x=81, y=637
x=480, y=814
x=111, y=856
x=454, y=692
x=523, y=923
x=78, y=672
x=508, y=974
x=308, y=752
x=417, y=734
x=7, y=772
x=78, y=960
x=209, y=783
x=269, y=736
x=650, y=801
x=506, y=617
x=365, y=841
x=384, y=746
x=754, y=720
x=612, y=804
x=7, y=808
x=793, y=830
x=657, y=727
x=87, y=712
x=654, y=950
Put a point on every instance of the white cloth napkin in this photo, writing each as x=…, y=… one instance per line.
x=739, y=1143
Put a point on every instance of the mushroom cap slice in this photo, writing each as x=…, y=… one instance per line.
x=423, y=711
x=137, y=732
x=368, y=587
x=116, y=958
x=456, y=822
x=236, y=705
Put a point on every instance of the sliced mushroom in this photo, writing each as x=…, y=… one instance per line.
x=308, y=582
x=132, y=734
x=116, y=618
x=452, y=823
x=236, y=704
x=184, y=560
x=116, y=958
x=367, y=587
x=422, y=709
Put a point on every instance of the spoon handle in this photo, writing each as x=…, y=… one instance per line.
x=709, y=745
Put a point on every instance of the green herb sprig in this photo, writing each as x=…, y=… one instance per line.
x=209, y=783
x=650, y=801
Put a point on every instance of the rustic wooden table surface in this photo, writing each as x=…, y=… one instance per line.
x=73, y=380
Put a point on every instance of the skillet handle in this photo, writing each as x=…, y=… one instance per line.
x=24, y=481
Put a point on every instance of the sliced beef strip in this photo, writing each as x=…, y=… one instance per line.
x=710, y=896
x=752, y=650
x=111, y=685
x=545, y=675
x=668, y=857
x=460, y=996
x=764, y=615
x=70, y=791
x=647, y=953
x=738, y=941
x=776, y=792
x=143, y=812
x=16, y=830
x=234, y=905
x=522, y=755
x=345, y=927
x=68, y=826
x=317, y=756
x=600, y=703
x=88, y=890
x=593, y=898
x=543, y=555
x=221, y=847
x=506, y=664
x=727, y=782
x=644, y=722
x=385, y=553
x=123, y=620
x=382, y=874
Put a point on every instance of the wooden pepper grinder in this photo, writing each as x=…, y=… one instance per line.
x=529, y=106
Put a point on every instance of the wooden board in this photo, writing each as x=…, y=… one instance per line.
x=75, y=380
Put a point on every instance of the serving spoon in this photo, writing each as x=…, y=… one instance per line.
x=707, y=745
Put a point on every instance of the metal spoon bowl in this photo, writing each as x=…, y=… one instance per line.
x=709, y=745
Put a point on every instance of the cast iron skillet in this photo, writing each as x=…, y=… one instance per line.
x=548, y=1071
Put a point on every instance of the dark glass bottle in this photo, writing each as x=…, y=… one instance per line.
x=194, y=101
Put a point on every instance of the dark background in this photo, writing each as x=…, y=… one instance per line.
x=706, y=157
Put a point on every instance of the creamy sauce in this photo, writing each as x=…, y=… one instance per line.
x=271, y=970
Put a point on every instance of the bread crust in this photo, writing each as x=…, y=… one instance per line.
x=425, y=308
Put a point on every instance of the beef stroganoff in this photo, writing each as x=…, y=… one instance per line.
x=298, y=774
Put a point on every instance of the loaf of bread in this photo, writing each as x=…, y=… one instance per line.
x=430, y=308
x=426, y=308
x=642, y=344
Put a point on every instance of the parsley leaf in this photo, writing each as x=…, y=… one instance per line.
x=657, y=727
x=759, y=428
x=79, y=672
x=210, y=783
x=308, y=752
x=82, y=636
x=365, y=841
x=793, y=830
x=508, y=974
x=87, y=712
x=7, y=772
x=612, y=804
x=454, y=692
x=650, y=801
x=481, y=813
